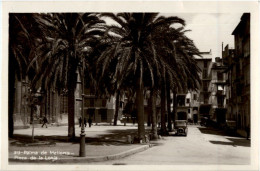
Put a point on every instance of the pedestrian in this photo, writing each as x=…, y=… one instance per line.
x=85, y=122
x=89, y=122
x=80, y=121
x=45, y=121
x=247, y=132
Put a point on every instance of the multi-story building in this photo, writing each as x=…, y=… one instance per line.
x=228, y=60
x=183, y=110
x=199, y=101
x=242, y=55
x=99, y=109
x=195, y=104
x=217, y=88
x=239, y=75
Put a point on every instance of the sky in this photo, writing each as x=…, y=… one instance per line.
x=209, y=30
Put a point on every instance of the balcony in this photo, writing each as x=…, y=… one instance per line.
x=221, y=93
x=218, y=81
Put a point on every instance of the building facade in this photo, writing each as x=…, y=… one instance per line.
x=238, y=72
x=218, y=89
x=199, y=101
x=54, y=105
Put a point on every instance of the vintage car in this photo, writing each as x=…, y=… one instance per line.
x=180, y=127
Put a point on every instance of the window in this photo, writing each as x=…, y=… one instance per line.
x=92, y=102
x=103, y=113
x=181, y=100
x=204, y=75
x=195, y=96
x=104, y=103
x=220, y=88
x=205, y=86
x=205, y=64
x=188, y=110
x=121, y=104
x=187, y=100
x=206, y=98
x=220, y=76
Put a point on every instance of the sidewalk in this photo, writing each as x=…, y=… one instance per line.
x=103, y=142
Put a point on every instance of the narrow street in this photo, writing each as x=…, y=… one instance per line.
x=201, y=146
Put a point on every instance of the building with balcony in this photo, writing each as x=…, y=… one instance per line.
x=183, y=111
x=199, y=101
x=229, y=60
x=99, y=109
x=238, y=72
x=218, y=89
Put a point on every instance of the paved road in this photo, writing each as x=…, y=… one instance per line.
x=201, y=146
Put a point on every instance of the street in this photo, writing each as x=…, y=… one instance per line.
x=201, y=146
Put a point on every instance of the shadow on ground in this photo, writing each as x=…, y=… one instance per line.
x=215, y=131
x=234, y=142
x=111, y=137
x=235, y=139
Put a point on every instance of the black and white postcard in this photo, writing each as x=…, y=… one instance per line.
x=135, y=85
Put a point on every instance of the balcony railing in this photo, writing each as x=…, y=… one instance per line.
x=218, y=81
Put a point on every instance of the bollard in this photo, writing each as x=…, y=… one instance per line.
x=146, y=138
x=129, y=139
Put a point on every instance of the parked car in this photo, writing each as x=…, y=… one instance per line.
x=181, y=127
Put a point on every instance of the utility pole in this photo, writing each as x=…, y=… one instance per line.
x=82, y=151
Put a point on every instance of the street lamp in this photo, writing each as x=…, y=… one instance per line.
x=82, y=151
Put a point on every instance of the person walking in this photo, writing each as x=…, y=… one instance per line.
x=80, y=121
x=89, y=122
x=45, y=121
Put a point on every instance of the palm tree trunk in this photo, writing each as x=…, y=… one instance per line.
x=169, y=108
x=140, y=109
x=153, y=113
x=174, y=106
x=71, y=106
x=163, y=110
x=117, y=108
x=149, y=114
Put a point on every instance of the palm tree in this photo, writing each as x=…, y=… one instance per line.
x=132, y=53
x=67, y=41
x=179, y=66
x=22, y=45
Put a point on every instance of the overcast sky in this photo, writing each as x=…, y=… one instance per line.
x=210, y=30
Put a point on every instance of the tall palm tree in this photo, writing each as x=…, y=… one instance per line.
x=67, y=41
x=22, y=45
x=132, y=53
x=179, y=66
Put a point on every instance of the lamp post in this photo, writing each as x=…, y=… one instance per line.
x=82, y=151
